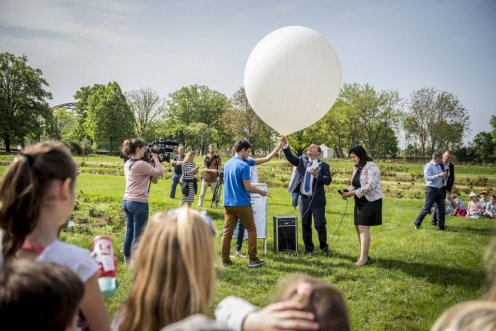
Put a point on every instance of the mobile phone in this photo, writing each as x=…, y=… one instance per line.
x=341, y=192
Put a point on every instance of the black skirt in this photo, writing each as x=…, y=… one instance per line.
x=368, y=213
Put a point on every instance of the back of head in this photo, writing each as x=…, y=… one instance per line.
x=38, y=295
x=468, y=316
x=174, y=271
x=241, y=144
x=318, y=297
x=129, y=146
x=24, y=188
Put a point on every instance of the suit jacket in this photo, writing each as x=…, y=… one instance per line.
x=451, y=177
x=324, y=177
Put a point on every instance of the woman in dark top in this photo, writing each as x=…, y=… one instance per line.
x=366, y=188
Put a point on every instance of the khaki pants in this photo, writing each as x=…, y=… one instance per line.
x=204, y=187
x=231, y=216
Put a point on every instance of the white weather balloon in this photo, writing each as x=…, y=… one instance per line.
x=292, y=78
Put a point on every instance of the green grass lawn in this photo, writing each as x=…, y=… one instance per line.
x=413, y=276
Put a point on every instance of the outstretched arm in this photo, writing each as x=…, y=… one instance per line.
x=268, y=157
x=283, y=143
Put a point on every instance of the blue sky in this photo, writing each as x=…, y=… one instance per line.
x=165, y=45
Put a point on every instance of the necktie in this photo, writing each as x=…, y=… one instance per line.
x=307, y=180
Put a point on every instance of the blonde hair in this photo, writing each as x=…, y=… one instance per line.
x=468, y=316
x=174, y=272
x=188, y=155
x=318, y=297
x=24, y=188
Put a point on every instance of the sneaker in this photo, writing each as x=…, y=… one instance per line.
x=256, y=262
x=416, y=227
x=434, y=223
x=238, y=254
x=327, y=252
x=226, y=263
x=308, y=253
x=442, y=228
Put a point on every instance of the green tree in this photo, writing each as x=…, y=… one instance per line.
x=65, y=123
x=241, y=121
x=148, y=109
x=109, y=119
x=339, y=127
x=484, y=146
x=436, y=120
x=366, y=116
x=24, y=106
x=194, y=104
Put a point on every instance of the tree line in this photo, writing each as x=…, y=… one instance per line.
x=103, y=116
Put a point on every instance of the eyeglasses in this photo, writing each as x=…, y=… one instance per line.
x=207, y=219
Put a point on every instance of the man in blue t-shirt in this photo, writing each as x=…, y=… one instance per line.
x=237, y=203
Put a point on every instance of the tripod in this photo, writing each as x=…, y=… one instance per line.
x=217, y=193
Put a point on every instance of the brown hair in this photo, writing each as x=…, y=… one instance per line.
x=318, y=297
x=129, y=146
x=24, y=188
x=174, y=272
x=38, y=295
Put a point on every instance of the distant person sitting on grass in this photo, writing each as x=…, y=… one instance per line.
x=474, y=209
x=484, y=199
x=459, y=208
x=491, y=207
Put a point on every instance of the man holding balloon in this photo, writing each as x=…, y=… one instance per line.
x=308, y=182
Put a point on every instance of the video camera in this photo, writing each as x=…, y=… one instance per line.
x=162, y=147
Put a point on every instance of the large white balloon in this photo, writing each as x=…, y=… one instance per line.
x=292, y=78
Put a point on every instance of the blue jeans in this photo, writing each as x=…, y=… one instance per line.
x=136, y=218
x=240, y=237
x=175, y=181
x=432, y=195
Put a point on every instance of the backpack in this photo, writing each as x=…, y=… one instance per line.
x=211, y=177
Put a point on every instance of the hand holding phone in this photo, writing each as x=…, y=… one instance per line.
x=342, y=191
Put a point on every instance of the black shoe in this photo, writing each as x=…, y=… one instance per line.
x=434, y=223
x=442, y=228
x=226, y=263
x=327, y=252
x=308, y=253
x=416, y=227
x=256, y=262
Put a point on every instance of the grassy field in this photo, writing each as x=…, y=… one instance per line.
x=413, y=277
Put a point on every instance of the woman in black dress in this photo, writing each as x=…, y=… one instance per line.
x=366, y=189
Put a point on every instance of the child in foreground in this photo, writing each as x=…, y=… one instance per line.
x=39, y=296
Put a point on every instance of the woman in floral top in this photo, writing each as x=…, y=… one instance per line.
x=366, y=189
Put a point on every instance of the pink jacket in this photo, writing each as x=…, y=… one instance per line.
x=370, y=181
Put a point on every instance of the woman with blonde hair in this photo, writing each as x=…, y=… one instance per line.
x=175, y=279
x=189, y=184
x=476, y=315
x=37, y=195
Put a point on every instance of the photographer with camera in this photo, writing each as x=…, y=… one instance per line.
x=212, y=166
x=139, y=174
